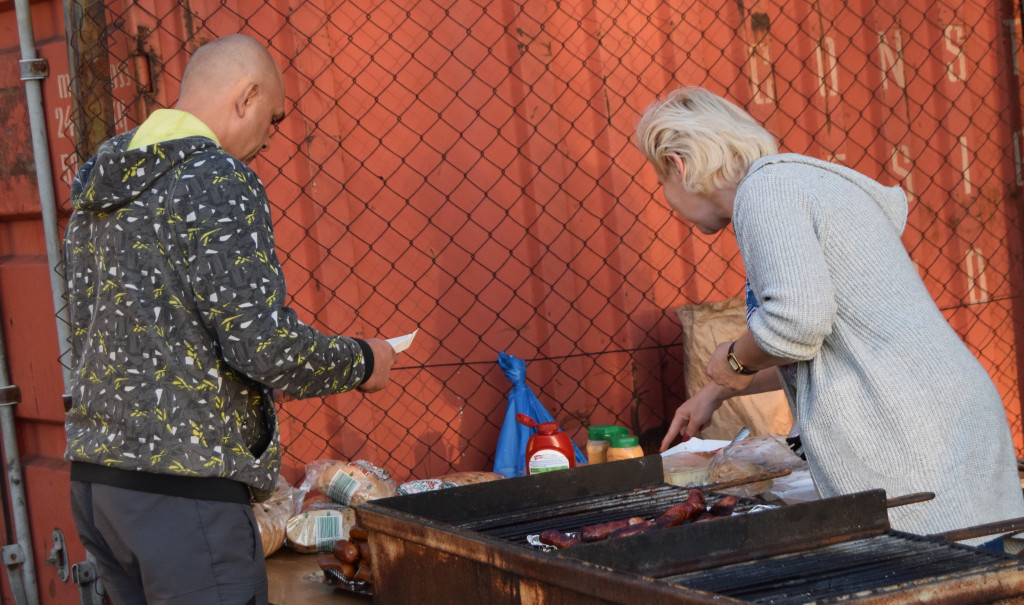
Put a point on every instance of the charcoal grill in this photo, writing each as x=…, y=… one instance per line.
x=468, y=546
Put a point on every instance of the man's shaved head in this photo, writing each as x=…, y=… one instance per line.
x=225, y=61
x=234, y=86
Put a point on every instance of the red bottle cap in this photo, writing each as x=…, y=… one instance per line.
x=526, y=420
x=547, y=428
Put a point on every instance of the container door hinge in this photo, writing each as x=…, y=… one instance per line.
x=59, y=556
x=14, y=556
x=34, y=69
x=10, y=394
x=86, y=575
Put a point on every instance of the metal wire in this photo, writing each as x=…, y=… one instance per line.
x=466, y=168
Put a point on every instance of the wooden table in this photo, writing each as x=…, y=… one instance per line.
x=292, y=580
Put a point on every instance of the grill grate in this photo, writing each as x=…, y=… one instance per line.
x=854, y=567
x=644, y=502
x=839, y=549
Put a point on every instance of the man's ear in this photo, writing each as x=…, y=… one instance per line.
x=245, y=98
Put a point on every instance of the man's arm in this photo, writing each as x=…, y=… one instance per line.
x=240, y=291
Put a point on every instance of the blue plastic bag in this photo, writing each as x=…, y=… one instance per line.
x=510, y=455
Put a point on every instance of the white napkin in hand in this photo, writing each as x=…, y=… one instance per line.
x=401, y=343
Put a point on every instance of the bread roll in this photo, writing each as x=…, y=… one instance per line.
x=272, y=516
x=445, y=481
x=352, y=483
x=316, y=531
x=470, y=477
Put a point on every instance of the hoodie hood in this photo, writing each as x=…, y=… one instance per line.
x=891, y=200
x=137, y=169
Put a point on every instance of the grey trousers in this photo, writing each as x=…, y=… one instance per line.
x=153, y=549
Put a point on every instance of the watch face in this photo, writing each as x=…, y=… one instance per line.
x=734, y=364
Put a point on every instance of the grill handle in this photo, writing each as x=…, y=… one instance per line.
x=997, y=527
x=909, y=499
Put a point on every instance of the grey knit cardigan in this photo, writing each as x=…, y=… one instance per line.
x=887, y=395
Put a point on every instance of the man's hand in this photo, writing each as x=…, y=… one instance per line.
x=384, y=357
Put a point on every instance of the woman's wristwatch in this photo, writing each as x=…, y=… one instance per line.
x=735, y=363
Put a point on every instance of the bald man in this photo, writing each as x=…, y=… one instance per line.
x=179, y=336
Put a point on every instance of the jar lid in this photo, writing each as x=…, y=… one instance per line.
x=615, y=431
x=598, y=432
x=627, y=441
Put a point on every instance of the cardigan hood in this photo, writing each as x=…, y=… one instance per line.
x=892, y=200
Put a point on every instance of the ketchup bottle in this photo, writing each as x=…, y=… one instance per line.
x=549, y=449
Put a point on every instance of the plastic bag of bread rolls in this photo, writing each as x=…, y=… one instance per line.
x=316, y=531
x=455, y=479
x=272, y=515
x=418, y=486
x=470, y=477
x=317, y=500
x=349, y=483
x=752, y=456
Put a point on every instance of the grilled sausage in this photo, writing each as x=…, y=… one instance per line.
x=633, y=530
x=601, y=531
x=553, y=537
x=670, y=518
x=346, y=551
x=685, y=511
x=724, y=506
x=691, y=509
x=364, y=549
x=329, y=562
x=333, y=568
x=348, y=570
x=363, y=573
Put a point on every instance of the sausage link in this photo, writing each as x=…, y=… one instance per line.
x=346, y=551
x=553, y=537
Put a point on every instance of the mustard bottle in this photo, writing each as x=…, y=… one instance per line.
x=622, y=448
x=597, y=441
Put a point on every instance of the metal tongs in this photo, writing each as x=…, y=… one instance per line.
x=740, y=436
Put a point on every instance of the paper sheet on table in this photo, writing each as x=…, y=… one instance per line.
x=796, y=487
x=696, y=444
x=401, y=343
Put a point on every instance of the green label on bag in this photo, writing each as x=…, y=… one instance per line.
x=341, y=488
x=326, y=531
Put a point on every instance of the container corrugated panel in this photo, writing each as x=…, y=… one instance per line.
x=467, y=168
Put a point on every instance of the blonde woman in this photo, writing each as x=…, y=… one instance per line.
x=885, y=393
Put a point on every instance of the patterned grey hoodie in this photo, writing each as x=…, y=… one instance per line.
x=179, y=329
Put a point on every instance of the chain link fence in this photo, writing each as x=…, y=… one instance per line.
x=466, y=168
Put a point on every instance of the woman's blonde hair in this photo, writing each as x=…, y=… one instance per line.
x=716, y=140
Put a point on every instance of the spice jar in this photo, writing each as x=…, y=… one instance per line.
x=597, y=442
x=621, y=448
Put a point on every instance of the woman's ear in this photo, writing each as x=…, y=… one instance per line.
x=678, y=162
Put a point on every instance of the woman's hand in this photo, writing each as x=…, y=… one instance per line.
x=722, y=373
x=695, y=413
